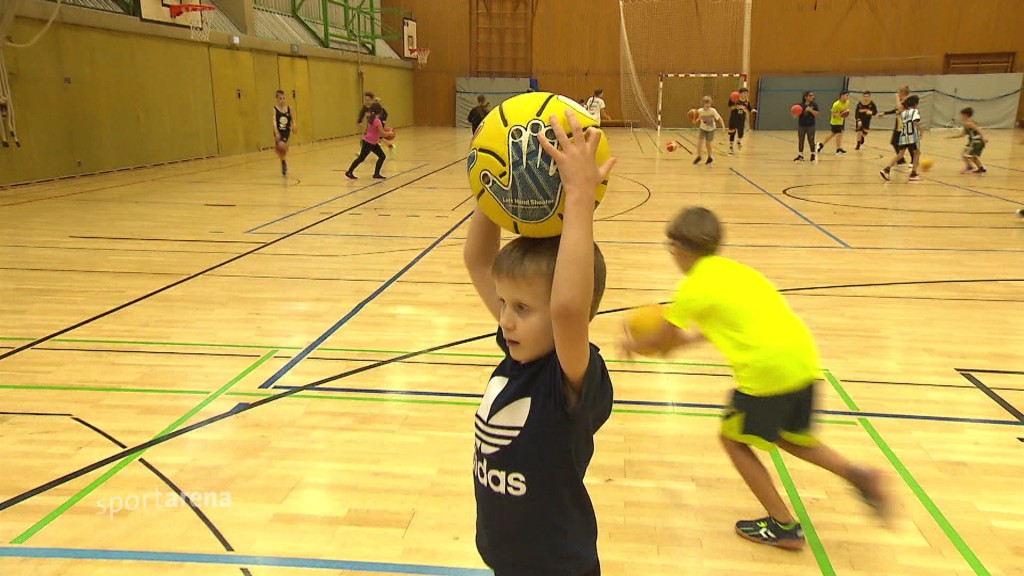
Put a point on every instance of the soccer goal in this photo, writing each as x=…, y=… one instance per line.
x=678, y=93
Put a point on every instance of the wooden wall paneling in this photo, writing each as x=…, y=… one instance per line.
x=444, y=27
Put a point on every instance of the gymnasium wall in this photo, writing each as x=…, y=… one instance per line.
x=575, y=43
x=858, y=38
x=92, y=99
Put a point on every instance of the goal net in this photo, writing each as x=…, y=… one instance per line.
x=678, y=93
x=657, y=37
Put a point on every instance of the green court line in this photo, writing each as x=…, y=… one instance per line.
x=349, y=397
x=325, y=349
x=801, y=513
x=929, y=504
x=24, y=536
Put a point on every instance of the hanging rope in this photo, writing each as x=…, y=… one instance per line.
x=8, y=123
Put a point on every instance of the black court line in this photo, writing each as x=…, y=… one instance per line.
x=786, y=192
x=312, y=385
x=175, y=240
x=202, y=354
x=211, y=268
x=1010, y=408
x=217, y=418
x=34, y=414
x=174, y=488
x=989, y=371
x=647, y=198
x=170, y=483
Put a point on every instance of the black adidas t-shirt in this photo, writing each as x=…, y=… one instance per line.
x=534, y=516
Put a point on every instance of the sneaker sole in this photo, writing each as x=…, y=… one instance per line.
x=791, y=545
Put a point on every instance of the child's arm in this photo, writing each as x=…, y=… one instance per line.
x=482, y=243
x=572, y=289
x=810, y=108
x=718, y=118
x=977, y=128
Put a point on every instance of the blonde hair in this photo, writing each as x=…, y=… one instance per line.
x=697, y=230
x=534, y=258
x=706, y=99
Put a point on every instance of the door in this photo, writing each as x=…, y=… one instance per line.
x=294, y=75
x=235, y=100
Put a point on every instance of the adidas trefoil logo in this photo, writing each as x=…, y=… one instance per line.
x=496, y=432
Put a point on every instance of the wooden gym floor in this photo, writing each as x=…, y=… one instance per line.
x=179, y=308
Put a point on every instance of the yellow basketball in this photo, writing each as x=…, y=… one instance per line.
x=515, y=183
x=645, y=322
x=926, y=164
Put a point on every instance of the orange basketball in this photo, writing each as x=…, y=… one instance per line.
x=389, y=134
x=671, y=146
x=693, y=114
x=845, y=113
x=796, y=110
x=735, y=96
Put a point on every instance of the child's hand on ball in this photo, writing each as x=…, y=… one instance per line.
x=575, y=158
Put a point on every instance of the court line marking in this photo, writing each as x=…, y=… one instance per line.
x=406, y=396
x=358, y=307
x=1002, y=402
x=820, y=556
x=174, y=488
x=236, y=560
x=791, y=209
x=254, y=250
x=340, y=397
x=81, y=494
x=929, y=504
x=328, y=201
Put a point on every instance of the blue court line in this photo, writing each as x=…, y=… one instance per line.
x=235, y=560
x=663, y=404
x=975, y=191
x=327, y=334
x=791, y=209
x=329, y=200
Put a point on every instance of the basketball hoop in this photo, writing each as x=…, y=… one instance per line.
x=422, y=54
x=198, y=26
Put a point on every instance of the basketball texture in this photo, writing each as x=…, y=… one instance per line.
x=645, y=322
x=515, y=182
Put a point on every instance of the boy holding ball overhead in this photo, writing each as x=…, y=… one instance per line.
x=551, y=393
x=775, y=363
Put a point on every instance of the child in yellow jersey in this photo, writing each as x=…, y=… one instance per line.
x=775, y=363
x=837, y=121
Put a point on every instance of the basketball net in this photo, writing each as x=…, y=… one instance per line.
x=422, y=55
x=198, y=25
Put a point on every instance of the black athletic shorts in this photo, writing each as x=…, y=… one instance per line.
x=837, y=128
x=761, y=421
x=908, y=147
x=285, y=135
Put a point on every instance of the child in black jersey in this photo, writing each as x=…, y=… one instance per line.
x=551, y=393
x=739, y=117
x=284, y=125
x=866, y=110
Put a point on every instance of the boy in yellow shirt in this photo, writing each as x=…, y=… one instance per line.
x=775, y=363
x=837, y=121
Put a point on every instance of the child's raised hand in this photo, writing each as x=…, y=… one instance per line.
x=577, y=165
